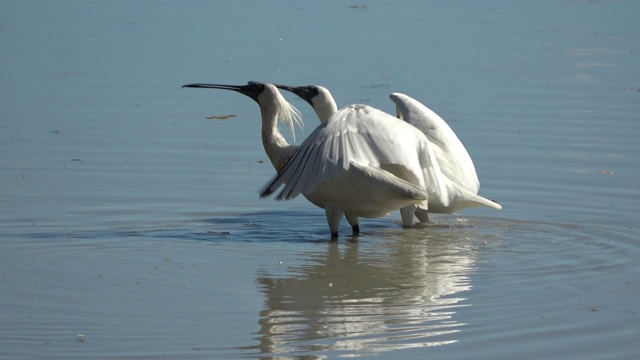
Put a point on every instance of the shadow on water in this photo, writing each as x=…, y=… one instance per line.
x=299, y=225
x=227, y=227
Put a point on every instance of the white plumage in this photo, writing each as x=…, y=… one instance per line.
x=355, y=163
x=455, y=182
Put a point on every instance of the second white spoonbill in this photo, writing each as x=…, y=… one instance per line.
x=357, y=163
x=457, y=170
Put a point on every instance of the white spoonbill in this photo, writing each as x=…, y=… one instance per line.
x=457, y=170
x=337, y=180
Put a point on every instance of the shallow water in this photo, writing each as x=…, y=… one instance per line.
x=132, y=229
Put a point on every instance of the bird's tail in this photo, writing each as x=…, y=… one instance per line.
x=482, y=201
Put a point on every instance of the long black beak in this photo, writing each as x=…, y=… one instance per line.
x=305, y=92
x=251, y=90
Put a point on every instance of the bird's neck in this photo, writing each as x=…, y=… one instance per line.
x=325, y=108
x=275, y=145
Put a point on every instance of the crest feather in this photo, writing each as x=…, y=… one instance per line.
x=288, y=115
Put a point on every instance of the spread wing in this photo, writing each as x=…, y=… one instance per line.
x=365, y=136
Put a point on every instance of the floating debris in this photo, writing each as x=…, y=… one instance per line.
x=221, y=117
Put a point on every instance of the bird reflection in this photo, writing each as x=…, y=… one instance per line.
x=369, y=298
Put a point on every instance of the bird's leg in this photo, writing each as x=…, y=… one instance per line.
x=407, y=213
x=334, y=215
x=354, y=221
x=422, y=215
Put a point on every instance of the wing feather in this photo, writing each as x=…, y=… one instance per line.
x=356, y=134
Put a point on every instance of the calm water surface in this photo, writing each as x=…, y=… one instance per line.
x=131, y=226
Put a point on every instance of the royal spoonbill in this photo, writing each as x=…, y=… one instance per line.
x=457, y=170
x=337, y=178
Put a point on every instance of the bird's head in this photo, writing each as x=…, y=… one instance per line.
x=317, y=96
